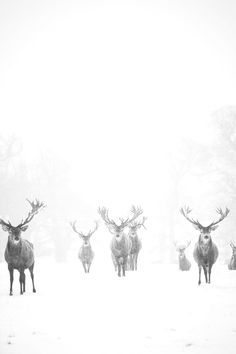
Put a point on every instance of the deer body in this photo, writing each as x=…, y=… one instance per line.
x=205, y=251
x=86, y=253
x=86, y=256
x=184, y=263
x=120, y=243
x=20, y=257
x=120, y=249
x=19, y=253
x=136, y=243
x=205, y=256
x=232, y=263
x=136, y=246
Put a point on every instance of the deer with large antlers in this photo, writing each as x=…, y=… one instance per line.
x=120, y=243
x=184, y=263
x=205, y=251
x=19, y=253
x=232, y=262
x=136, y=243
x=86, y=253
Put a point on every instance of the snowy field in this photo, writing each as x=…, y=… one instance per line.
x=155, y=310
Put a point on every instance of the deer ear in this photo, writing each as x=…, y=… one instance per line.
x=5, y=228
x=196, y=227
x=24, y=228
x=112, y=231
x=213, y=228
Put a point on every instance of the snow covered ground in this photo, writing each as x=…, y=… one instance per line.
x=157, y=309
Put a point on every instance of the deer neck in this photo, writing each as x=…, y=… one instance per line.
x=14, y=248
x=135, y=237
x=204, y=246
x=182, y=256
x=87, y=245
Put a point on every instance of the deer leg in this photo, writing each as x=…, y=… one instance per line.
x=200, y=270
x=132, y=262
x=31, y=269
x=115, y=264
x=205, y=272
x=22, y=279
x=119, y=268
x=124, y=265
x=123, y=269
x=11, y=271
x=127, y=266
x=209, y=274
x=136, y=262
x=85, y=269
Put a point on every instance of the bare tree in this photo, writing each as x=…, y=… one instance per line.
x=10, y=147
x=190, y=158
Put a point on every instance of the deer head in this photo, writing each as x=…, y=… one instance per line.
x=181, y=248
x=114, y=228
x=205, y=231
x=15, y=231
x=85, y=237
x=135, y=225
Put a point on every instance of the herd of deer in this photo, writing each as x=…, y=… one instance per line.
x=19, y=253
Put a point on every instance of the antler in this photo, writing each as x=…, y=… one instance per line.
x=95, y=229
x=4, y=223
x=222, y=216
x=182, y=247
x=232, y=244
x=90, y=233
x=104, y=214
x=136, y=211
x=188, y=243
x=185, y=211
x=124, y=222
x=75, y=230
x=35, y=207
x=137, y=224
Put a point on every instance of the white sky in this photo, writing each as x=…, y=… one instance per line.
x=112, y=85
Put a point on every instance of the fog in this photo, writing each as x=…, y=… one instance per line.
x=117, y=103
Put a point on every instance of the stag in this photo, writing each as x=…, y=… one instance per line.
x=136, y=243
x=120, y=243
x=86, y=253
x=232, y=262
x=205, y=251
x=19, y=253
x=184, y=263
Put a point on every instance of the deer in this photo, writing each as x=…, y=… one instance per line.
x=86, y=253
x=120, y=243
x=19, y=252
x=136, y=243
x=232, y=262
x=205, y=251
x=184, y=263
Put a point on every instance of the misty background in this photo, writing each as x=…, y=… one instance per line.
x=115, y=103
